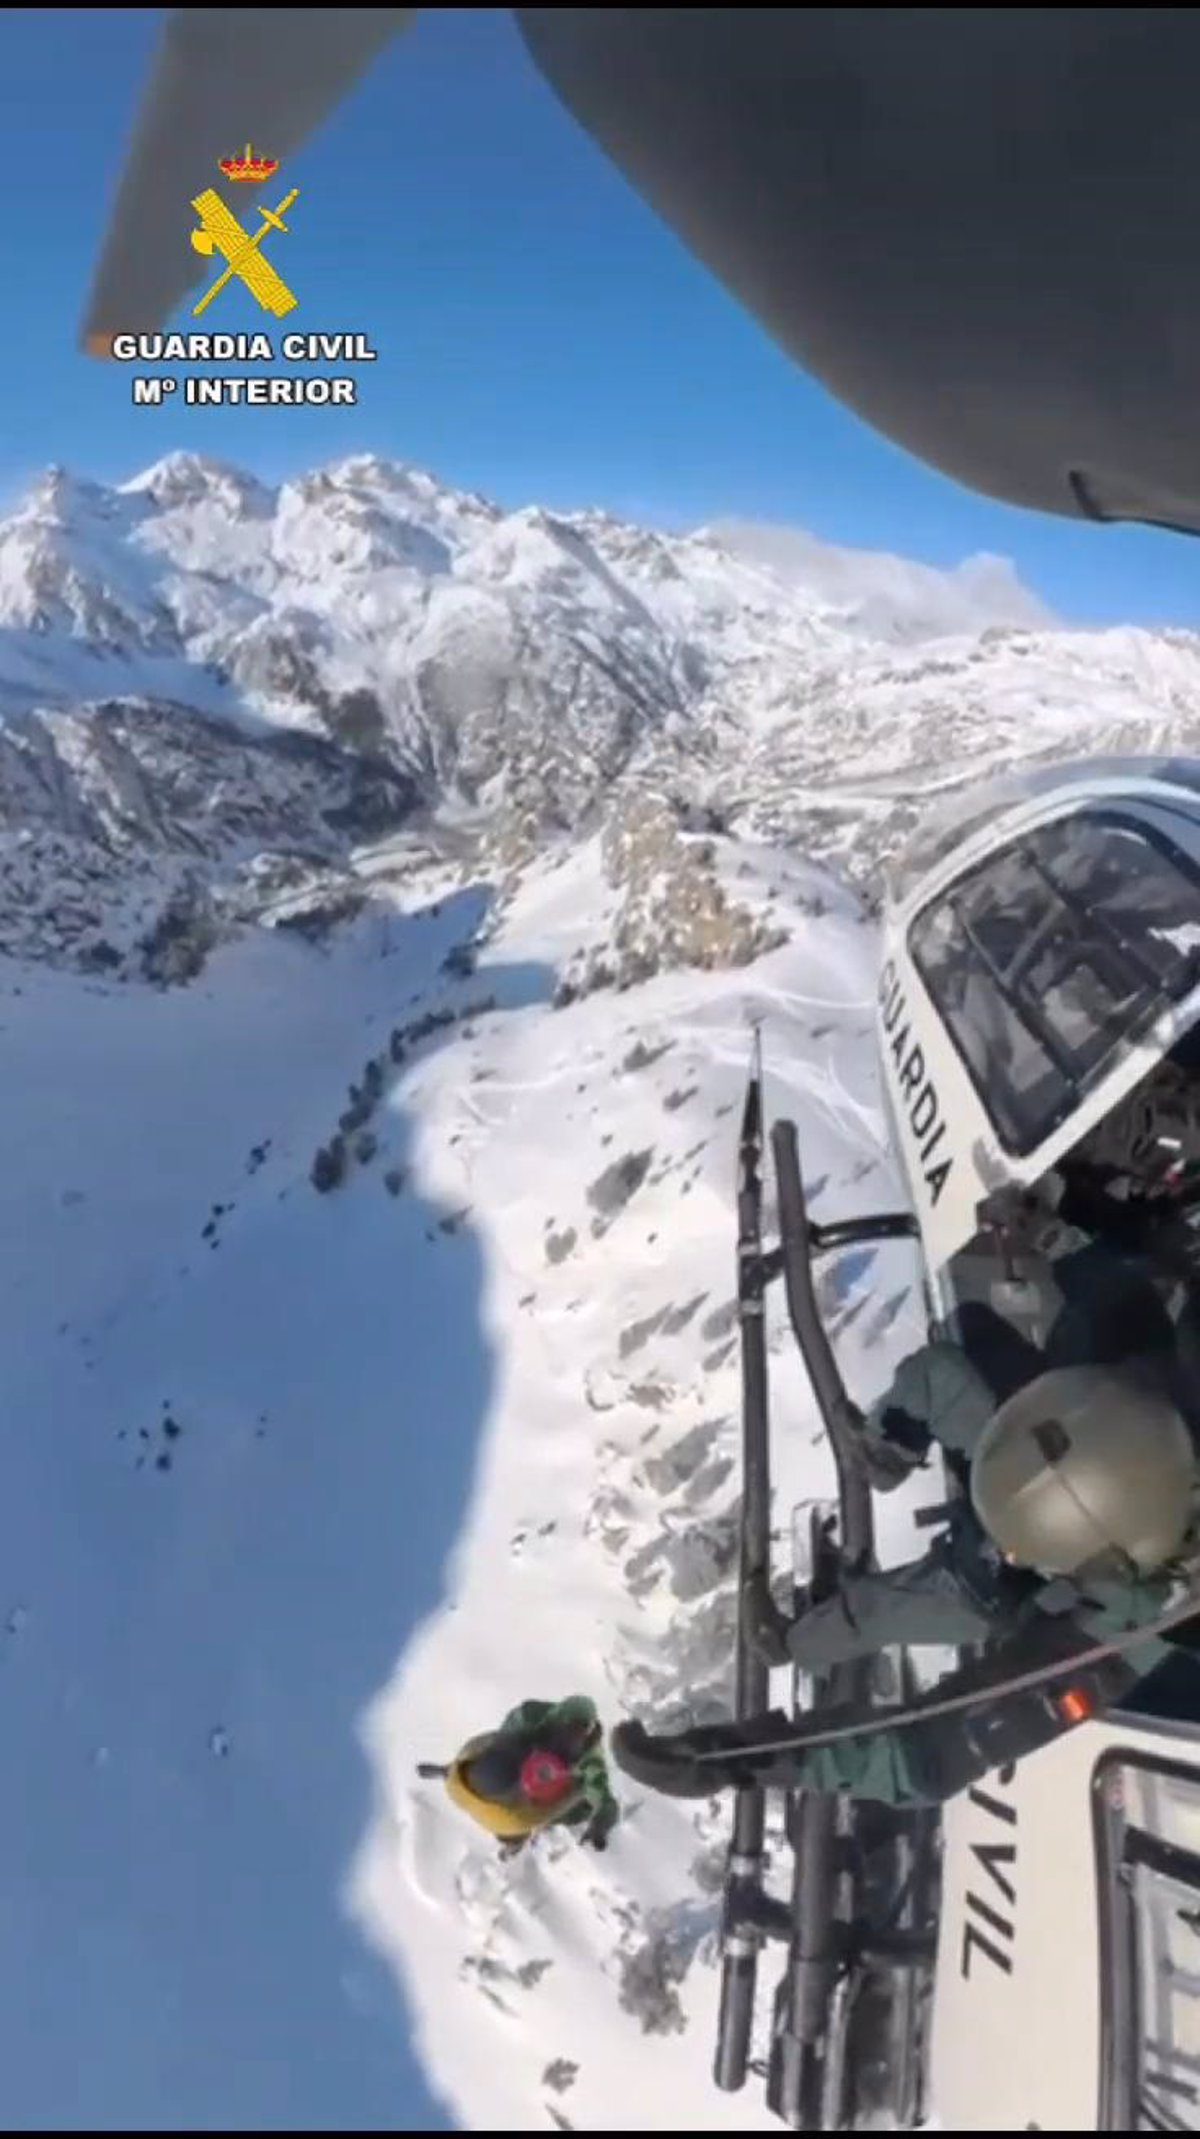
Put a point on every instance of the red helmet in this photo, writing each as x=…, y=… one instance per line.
x=545, y=1778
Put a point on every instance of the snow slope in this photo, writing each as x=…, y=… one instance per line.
x=242, y=1423
x=216, y=1429
x=599, y=1552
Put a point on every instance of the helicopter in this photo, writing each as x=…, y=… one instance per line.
x=1040, y=969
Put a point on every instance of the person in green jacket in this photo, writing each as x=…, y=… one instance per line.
x=544, y=1766
x=1081, y=1505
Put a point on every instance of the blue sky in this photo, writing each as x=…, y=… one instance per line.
x=540, y=335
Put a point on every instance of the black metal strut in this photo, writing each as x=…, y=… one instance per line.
x=810, y=2085
x=742, y=1926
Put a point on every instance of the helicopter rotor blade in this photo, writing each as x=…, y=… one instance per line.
x=222, y=76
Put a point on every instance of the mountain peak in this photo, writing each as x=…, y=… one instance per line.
x=185, y=478
x=56, y=493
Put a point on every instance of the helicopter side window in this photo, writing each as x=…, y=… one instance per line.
x=1052, y=957
x=1147, y=1822
x=1147, y=897
x=1008, y=1065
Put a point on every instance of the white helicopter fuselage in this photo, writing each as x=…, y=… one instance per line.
x=1067, y=1992
x=1067, y=1986
x=951, y=1148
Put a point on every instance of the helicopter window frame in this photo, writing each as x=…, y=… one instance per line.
x=1069, y=1073
x=961, y=814
x=1136, y=1871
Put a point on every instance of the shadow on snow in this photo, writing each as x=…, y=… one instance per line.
x=185, y=1787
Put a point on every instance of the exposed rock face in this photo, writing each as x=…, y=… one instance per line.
x=118, y=818
x=203, y=674
x=673, y=907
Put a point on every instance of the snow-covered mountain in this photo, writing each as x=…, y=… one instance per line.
x=208, y=686
x=366, y=1295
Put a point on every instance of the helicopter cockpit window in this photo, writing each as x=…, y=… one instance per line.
x=965, y=810
x=1052, y=957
